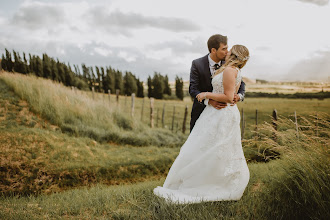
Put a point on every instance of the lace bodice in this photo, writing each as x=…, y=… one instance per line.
x=217, y=82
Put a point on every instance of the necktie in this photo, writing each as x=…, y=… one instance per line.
x=216, y=66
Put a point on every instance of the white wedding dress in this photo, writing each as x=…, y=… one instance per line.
x=211, y=165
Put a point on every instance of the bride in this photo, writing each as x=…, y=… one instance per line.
x=211, y=165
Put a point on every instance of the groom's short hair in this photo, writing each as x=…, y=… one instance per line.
x=215, y=40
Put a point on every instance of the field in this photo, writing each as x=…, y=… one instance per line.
x=67, y=155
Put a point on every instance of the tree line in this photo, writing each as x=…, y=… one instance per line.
x=102, y=79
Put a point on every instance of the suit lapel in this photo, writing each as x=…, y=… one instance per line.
x=207, y=73
x=207, y=66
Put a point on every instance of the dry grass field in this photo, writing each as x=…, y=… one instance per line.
x=66, y=155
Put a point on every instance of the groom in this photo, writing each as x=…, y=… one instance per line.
x=202, y=69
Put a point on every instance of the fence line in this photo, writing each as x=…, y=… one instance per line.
x=170, y=119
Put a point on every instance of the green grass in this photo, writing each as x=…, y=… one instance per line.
x=272, y=193
x=38, y=159
x=134, y=202
x=80, y=115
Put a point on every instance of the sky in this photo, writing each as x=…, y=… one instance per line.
x=287, y=39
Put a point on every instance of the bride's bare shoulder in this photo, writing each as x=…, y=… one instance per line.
x=230, y=71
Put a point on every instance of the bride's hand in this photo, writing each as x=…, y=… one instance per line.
x=201, y=96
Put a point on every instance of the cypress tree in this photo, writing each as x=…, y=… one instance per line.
x=54, y=71
x=86, y=76
x=3, y=63
x=112, y=79
x=102, y=82
x=106, y=81
x=26, y=64
x=66, y=80
x=47, y=72
x=19, y=66
x=130, y=85
x=119, y=82
x=93, y=79
x=98, y=79
x=179, y=87
x=77, y=70
x=167, y=88
x=69, y=81
x=9, y=61
x=16, y=62
x=38, y=68
x=158, y=86
x=61, y=73
x=31, y=66
x=140, y=92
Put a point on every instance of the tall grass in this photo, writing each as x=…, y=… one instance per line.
x=301, y=187
x=293, y=185
x=79, y=115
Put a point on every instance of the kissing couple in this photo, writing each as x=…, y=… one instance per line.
x=211, y=165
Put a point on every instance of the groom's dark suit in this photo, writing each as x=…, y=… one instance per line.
x=200, y=81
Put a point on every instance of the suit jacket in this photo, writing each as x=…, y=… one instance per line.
x=200, y=81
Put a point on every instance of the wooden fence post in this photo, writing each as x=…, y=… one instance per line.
x=256, y=124
x=296, y=123
x=117, y=95
x=243, y=124
x=151, y=112
x=109, y=92
x=185, y=119
x=142, y=109
x=132, y=105
x=173, y=118
x=125, y=100
x=163, y=116
x=275, y=123
x=317, y=124
x=157, y=117
x=93, y=90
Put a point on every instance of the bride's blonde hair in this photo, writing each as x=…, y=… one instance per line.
x=238, y=58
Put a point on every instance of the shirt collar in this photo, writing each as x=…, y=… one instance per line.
x=211, y=62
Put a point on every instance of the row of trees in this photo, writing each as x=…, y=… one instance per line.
x=105, y=79
x=45, y=67
x=102, y=79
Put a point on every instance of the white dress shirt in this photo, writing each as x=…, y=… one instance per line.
x=211, y=65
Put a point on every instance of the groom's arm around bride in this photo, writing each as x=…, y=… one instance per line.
x=201, y=73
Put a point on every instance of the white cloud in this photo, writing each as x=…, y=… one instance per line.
x=317, y=2
x=102, y=51
x=165, y=36
x=127, y=57
x=124, y=23
x=38, y=15
x=315, y=68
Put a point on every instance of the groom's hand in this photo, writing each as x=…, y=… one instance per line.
x=217, y=105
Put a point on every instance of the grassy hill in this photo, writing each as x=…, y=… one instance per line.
x=80, y=115
x=53, y=139
x=36, y=156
